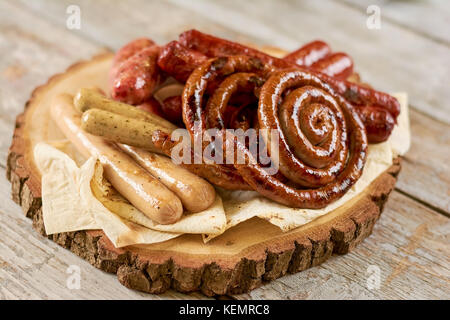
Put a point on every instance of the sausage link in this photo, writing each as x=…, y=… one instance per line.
x=357, y=95
x=216, y=47
x=178, y=61
x=86, y=99
x=324, y=107
x=137, y=77
x=221, y=176
x=338, y=65
x=378, y=122
x=125, y=124
x=144, y=191
x=195, y=193
x=151, y=106
x=127, y=52
x=326, y=150
x=171, y=109
x=121, y=129
x=309, y=54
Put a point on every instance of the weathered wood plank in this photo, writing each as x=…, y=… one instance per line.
x=409, y=247
x=33, y=51
x=33, y=267
x=425, y=169
x=391, y=59
x=428, y=18
x=36, y=50
x=132, y=19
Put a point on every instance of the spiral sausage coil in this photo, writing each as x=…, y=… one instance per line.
x=322, y=143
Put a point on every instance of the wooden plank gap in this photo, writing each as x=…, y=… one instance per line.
x=424, y=203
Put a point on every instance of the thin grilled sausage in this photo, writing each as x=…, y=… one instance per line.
x=309, y=54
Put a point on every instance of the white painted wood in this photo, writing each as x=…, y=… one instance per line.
x=36, y=49
x=32, y=51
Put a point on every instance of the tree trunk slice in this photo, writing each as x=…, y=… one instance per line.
x=240, y=260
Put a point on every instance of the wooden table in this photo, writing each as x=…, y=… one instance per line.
x=410, y=245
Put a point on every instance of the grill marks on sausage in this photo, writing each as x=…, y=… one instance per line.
x=347, y=141
x=324, y=121
x=339, y=66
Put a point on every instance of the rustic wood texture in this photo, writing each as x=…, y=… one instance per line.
x=408, y=54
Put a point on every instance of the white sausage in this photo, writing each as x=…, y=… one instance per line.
x=140, y=188
x=195, y=193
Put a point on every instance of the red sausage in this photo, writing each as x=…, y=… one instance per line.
x=378, y=122
x=309, y=53
x=152, y=106
x=127, y=52
x=356, y=94
x=338, y=65
x=137, y=77
x=172, y=109
x=216, y=47
x=179, y=61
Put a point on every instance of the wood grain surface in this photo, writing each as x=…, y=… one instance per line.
x=409, y=244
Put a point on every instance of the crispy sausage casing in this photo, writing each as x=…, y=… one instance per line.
x=179, y=61
x=339, y=66
x=127, y=52
x=309, y=54
x=322, y=140
x=137, y=77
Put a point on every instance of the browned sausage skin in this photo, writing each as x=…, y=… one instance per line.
x=378, y=122
x=172, y=108
x=324, y=122
x=137, y=77
x=328, y=155
x=356, y=94
x=338, y=65
x=178, y=61
x=126, y=52
x=309, y=54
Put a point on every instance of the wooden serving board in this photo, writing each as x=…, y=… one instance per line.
x=240, y=260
